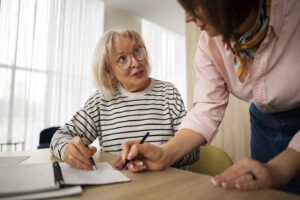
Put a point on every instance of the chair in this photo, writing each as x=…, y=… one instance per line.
x=46, y=136
x=212, y=161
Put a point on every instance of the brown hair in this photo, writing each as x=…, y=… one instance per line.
x=103, y=56
x=225, y=15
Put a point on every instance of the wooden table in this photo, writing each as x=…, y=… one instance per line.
x=167, y=184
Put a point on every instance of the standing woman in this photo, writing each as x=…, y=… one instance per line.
x=251, y=49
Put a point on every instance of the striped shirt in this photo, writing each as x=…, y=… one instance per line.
x=123, y=116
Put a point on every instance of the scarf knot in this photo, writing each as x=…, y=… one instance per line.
x=246, y=48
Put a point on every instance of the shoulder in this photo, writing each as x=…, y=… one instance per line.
x=162, y=84
x=95, y=96
x=210, y=45
x=211, y=49
x=99, y=97
x=284, y=16
x=165, y=88
x=206, y=41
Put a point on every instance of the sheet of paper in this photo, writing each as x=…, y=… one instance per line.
x=12, y=160
x=104, y=174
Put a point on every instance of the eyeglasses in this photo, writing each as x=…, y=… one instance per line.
x=124, y=61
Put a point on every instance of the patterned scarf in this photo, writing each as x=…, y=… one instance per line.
x=246, y=48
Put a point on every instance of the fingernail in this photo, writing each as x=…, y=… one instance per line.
x=129, y=155
x=224, y=184
x=131, y=166
x=144, y=166
x=214, y=182
x=123, y=157
x=237, y=186
x=140, y=163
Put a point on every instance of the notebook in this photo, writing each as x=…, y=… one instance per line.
x=63, y=191
x=38, y=178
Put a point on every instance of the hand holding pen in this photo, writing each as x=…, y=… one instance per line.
x=128, y=159
x=142, y=156
x=78, y=155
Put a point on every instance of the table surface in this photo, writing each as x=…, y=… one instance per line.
x=170, y=183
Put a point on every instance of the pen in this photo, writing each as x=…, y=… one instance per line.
x=141, y=142
x=91, y=159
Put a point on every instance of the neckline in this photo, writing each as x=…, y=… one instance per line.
x=140, y=93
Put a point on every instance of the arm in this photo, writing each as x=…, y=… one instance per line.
x=210, y=95
x=276, y=173
x=67, y=143
x=177, y=110
x=184, y=144
x=152, y=157
x=284, y=167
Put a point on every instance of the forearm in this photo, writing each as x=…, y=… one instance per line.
x=58, y=143
x=182, y=143
x=284, y=167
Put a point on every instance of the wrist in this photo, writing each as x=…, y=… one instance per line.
x=276, y=176
x=166, y=158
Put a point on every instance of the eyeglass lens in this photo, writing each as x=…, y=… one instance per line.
x=125, y=61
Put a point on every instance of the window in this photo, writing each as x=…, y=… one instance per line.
x=45, y=63
x=166, y=52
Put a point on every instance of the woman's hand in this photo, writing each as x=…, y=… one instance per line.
x=77, y=154
x=247, y=174
x=250, y=174
x=141, y=156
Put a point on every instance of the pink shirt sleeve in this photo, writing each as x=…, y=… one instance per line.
x=210, y=96
x=295, y=142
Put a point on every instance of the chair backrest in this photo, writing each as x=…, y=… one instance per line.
x=46, y=136
x=212, y=161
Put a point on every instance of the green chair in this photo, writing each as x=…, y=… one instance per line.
x=212, y=161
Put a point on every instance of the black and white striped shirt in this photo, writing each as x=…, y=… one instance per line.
x=124, y=116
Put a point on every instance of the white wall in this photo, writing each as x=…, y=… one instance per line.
x=115, y=18
x=165, y=13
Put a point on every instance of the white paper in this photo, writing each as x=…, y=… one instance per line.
x=104, y=174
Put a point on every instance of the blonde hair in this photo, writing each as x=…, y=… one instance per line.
x=103, y=56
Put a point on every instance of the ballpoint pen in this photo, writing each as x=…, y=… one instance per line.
x=91, y=159
x=141, y=142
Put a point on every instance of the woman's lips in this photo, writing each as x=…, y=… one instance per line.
x=138, y=74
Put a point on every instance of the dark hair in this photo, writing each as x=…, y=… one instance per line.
x=225, y=15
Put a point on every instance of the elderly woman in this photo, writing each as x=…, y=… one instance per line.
x=127, y=104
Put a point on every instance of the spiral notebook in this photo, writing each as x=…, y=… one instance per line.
x=39, y=178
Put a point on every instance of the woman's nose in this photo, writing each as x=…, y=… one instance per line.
x=188, y=17
x=134, y=62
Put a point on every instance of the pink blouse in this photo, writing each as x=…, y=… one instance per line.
x=273, y=80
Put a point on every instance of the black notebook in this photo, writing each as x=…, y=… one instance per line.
x=39, y=178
